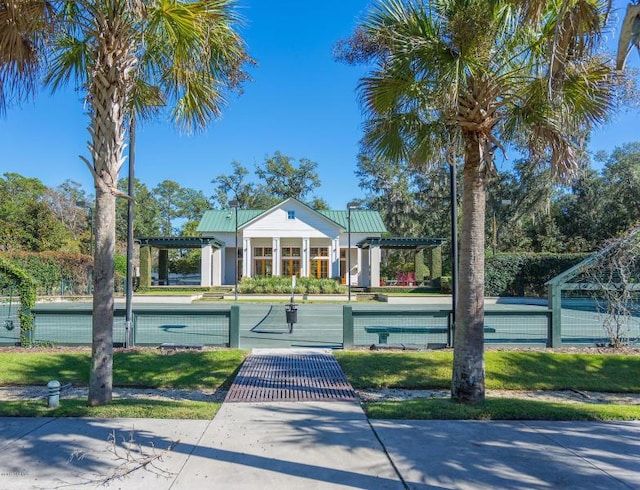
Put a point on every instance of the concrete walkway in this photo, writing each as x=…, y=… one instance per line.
x=314, y=445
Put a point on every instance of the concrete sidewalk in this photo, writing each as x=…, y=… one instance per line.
x=315, y=445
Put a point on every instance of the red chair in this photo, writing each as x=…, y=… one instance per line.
x=402, y=279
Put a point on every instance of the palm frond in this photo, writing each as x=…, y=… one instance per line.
x=25, y=26
x=71, y=61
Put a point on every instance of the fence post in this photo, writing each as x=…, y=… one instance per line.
x=554, y=335
x=234, y=327
x=347, y=327
x=134, y=329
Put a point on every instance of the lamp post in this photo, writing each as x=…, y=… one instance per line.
x=128, y=317
x=235, y=205
x=350, y=206
x=454, y=243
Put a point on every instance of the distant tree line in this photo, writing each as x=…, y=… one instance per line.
x=528, y=210
x=531, y=211
x=37, y=218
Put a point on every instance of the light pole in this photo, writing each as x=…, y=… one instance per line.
x=350, y=206
x=454, y=243
x=128, y=316
x=235, y=205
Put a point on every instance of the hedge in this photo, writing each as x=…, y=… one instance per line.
x=524, y=274
x=282, y=285
x=52, y=271
x=27, y=293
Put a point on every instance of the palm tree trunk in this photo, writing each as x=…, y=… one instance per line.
x=100, y=381
x=468, y=384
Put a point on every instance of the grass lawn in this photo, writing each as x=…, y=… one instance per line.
x=505, y=371
x=499, y=409
x=149, y=368
x=146, y=368
x=118, y=408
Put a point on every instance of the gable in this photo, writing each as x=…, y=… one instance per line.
x=306, y=220
x=291, y=219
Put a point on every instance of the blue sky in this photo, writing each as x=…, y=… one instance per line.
x=300, y=102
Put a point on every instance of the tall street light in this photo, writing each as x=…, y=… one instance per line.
x=350, y=206
x=128, y=319
x=235, y=205
x=454, y=242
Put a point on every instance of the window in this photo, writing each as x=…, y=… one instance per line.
x=291, y=215
x=291, y=261
x=343, y=265
x=291, y=251
x=262, y=262
x=319, y=262
x=319, y=252
x=319, y=268
x=263, y=252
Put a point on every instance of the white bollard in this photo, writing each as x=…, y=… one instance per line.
x=54, y=394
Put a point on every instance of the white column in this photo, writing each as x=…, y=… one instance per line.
x=247, y=253
x=334, y=255
x=205, y=266
x=365, y=267
x=275, y=245
x=304, y=259
x=375, y=255
x=358, y=275
x=217, y=266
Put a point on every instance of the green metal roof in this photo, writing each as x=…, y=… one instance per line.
x=362, y=221
x=178, y=242
x=220, y=221
x=401, y=242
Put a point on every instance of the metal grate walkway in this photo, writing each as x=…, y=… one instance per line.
x=295, y=376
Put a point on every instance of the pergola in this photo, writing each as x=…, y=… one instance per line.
x=164, y=244
x=434, y=245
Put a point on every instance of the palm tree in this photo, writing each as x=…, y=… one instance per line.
x=24, y=25
x=185, y=53
x=629, y=34
x=478, y=75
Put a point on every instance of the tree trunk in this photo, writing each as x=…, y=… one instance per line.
x=468, y=383
x=101, y=379
x=108, y=92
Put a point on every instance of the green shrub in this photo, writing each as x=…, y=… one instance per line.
x=120, y=264
x=15, y=275
x=524, y=274
x=282, y=285
x=446, y=286
x=55, y=272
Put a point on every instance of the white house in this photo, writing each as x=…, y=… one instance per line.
x=290, y=238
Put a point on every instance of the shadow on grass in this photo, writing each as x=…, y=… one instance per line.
x=504, y=370
x=129, y=408
x=499, y=409
x=144, y=368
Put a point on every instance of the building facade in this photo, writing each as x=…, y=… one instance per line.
x=290, y=239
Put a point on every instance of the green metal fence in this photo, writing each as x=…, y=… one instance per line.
x=427, y=328
x=577, y=323
x=72, y=326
